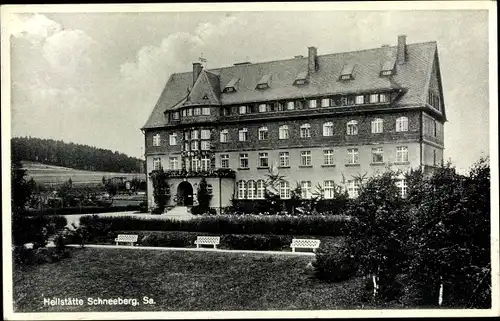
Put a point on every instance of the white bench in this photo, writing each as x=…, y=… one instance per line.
x=305, y=244
x=207, y=240
x=126, y=238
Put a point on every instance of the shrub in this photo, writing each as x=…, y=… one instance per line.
x=22, y=255
x=334, y=263
x=279, y=225
x=256, y=242
x=197, y=210
x=170, y=239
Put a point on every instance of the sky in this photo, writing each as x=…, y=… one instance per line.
x=93, y=78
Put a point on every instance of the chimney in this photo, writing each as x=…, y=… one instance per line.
x=313, y=60
x=196, y=70
x=401, y=58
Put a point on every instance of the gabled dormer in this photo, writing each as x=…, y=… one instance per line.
x=206, y=90
x=434, y=93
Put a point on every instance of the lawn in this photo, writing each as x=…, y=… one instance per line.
x=180, y=281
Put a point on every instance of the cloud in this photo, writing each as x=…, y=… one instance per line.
x=35, y=28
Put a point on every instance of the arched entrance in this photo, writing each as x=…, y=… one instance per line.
x=185, y=194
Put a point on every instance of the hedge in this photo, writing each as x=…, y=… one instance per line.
x=278, y=225
x=230, y=241
x=81, y=210
x=258, y=206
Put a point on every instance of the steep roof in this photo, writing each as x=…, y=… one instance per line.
x=412, y=76
x=206, y=91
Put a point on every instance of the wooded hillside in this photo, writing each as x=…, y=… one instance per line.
x=59, y=153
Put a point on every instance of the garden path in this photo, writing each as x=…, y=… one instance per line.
x=190, y=249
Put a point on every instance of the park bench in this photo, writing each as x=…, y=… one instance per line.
x=126, y=238
x=305, y=243
x=207, y=240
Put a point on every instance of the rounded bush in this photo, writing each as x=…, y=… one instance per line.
x=334, y=263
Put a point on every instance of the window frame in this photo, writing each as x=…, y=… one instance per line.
x=157, y=140
x=264, y=156
x=402, y=154
x=305, y=158
x=172, y=139
x=243, y=131
x=328, y=129
x=263, y=133
x=224, y=160
x=244, y=157
x=328, y=154
x=352, y=128
x=284, y=156
x=402, y=124
x=353, y=156
x=380, y=152
x=285, y=130
x=224, y=136
x=305, y=130
x=377, y=126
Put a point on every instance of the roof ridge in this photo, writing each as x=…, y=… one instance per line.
x=290, y=59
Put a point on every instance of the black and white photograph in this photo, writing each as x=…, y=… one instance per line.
x=250, y=160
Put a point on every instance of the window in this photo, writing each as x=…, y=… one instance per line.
x=403, y=187
x=325, y=102
x=186, y=135
x=434, y=156
x=353, y=156
x=401, y=154
x=374, y=98
x=263, y=134
x=244, y=160
x=290, y=105
x=224, y=136
x=329, y=189
x=402, y=124
x=243, y=109
x=187, y=164
x=173, y=163
x=251, y=190
x=305, y=158
x=346, y=73
x=195, y=164
x=328, y=129
x=377, y=155
x=384, y=98
x=305, y=189
x=205, y=145
x=205, y=134
x=312, y=103
x=264, y=82
x=352, y=128
x=305, y=131
x=301, y=78
x=353, y=188
x=377, y=126
x=186, y=146
x=156, y=163
x=195, y=134
x=224, y=160
x=205, y=111
x=262, y=108
x=197, y=111
x=344, y=101
x=189, y=112
x=175, y=115
x=283, y=132
x=173, y=139
x=360, y=100
x=184, y=113
x=284, y=190
x=243, y=135
x=226, y=111
x=387, y=67
x=156, y=140
x=231, y=85
x=329, y=157
x=284, y=159
x=263, y=160
x=242, y=190
x=261, y=187
x=194, y=145
x=205, y=163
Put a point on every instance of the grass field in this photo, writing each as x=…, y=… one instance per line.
x=49, y=174
x=180, y=281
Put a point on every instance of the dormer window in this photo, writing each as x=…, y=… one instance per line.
x=301, y=78
x=175, y=115
x=387, y=68
x=264, y=82
x=347, y=72
x=205, y=97
x=231, y=85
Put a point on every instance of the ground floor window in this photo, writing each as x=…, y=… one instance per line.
x=305, y=187
x=402, y=184
x=241, y=190
x=261, y=186
x=353, y=188
x=284, y=190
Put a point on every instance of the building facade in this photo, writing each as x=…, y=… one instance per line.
x=321, y=120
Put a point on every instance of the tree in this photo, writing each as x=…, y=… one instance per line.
x=376, y=234
x=161, y=189
x=450, y=237
x=203, y=196
x=271, y=193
